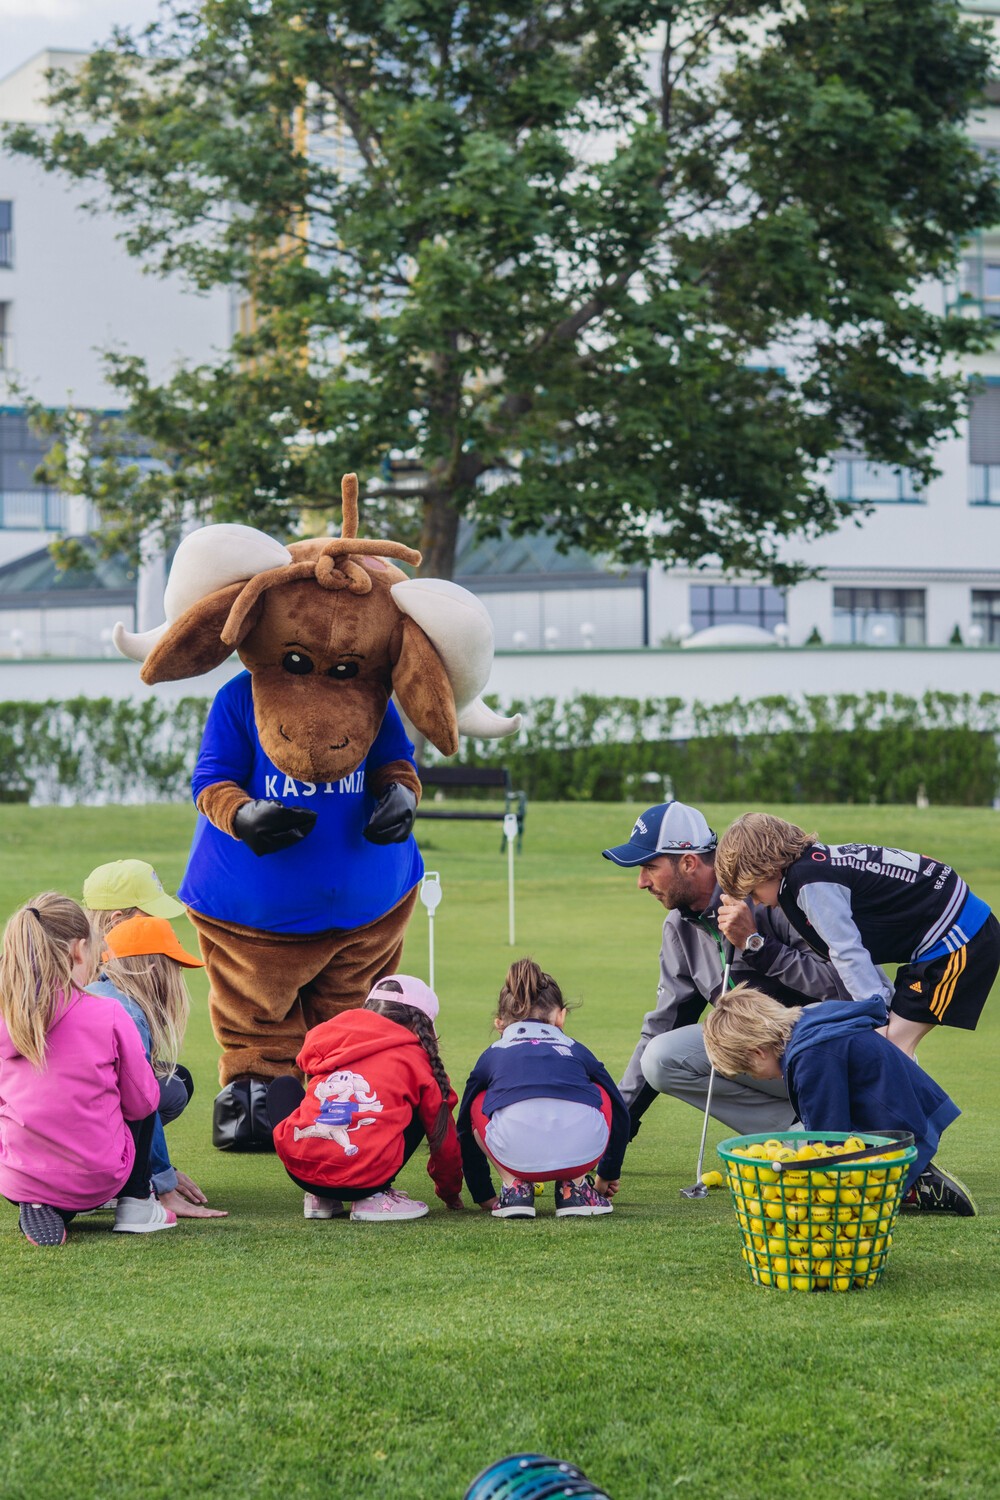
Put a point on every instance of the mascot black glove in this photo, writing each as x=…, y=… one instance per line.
x=266, y=827
x=392, y=820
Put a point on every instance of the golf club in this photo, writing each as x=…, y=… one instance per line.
x=698, y=1188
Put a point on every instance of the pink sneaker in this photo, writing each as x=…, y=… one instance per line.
x=316, y=1207
x=142, y=1216
x=392, y=1204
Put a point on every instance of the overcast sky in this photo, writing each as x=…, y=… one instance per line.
x=27, y=26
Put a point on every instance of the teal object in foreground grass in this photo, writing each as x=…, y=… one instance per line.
x=531, y=1476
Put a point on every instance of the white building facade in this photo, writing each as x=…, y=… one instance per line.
x=68, y=292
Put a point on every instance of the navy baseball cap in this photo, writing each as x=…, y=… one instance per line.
x=667, y=828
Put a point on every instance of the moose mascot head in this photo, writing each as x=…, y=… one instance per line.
x=303, y=870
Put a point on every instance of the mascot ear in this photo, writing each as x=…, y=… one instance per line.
x=423, y=687
x=193, y=644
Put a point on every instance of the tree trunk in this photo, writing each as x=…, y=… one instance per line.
x=438, y=536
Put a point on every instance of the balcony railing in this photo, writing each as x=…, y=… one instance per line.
x=984, y=484
x=33, y=510
x=857, y=479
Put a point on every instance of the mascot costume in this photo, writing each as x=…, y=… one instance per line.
x=303, y=869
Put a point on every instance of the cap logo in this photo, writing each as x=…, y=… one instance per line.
x=640, y=827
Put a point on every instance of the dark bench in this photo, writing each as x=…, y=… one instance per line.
x=460, y=778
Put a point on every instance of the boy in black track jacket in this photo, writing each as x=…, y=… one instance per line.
x=863, y=905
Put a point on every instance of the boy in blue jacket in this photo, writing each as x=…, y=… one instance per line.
x=840, y=1075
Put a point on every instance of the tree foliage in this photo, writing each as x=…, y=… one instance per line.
x=625, y=270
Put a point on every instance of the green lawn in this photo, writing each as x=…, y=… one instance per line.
x=264, y=1355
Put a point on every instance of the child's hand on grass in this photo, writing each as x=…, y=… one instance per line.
x=185, y=1209
x=488, y=1204
x=455, y=1204
x=605, y=1188
x=188, y=1201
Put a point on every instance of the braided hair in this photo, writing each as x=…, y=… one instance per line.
x=423, y=1029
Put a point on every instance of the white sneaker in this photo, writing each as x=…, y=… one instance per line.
x=142, y=1216
x=392, y=1204
x=316, y=1207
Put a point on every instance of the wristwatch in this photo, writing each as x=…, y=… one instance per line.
x=754, y=943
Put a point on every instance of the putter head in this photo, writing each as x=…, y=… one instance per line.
x=699, y=1190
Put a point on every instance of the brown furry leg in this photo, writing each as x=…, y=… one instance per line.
x=359, y=959
x=253, y=999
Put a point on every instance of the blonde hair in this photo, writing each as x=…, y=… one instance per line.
x=742, y=1020
x=758, y=847
x=527, y=993
x=103, y=920
x=36, y=968
x=155, y=983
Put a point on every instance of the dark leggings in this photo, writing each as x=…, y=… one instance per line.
x=137, y=1182
x=285, y=1094
x=175, y=1094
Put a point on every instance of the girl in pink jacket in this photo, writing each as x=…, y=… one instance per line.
x=77, y=1096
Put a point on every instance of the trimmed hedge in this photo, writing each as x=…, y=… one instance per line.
x=99, y=750
x=875, y=747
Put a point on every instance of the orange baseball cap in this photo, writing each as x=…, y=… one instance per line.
x=144, y=935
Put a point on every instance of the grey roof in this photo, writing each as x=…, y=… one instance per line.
x=534, y=553
x=35, y=579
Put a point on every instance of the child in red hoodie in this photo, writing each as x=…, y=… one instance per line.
x=376, y=1087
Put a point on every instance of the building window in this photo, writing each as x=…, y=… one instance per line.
x=984, y=447
x=879, y=617
x=979, y=286
x=857, y=479
x=735, y=604
x=986, y=614
x=25, y=505
x=6, y=233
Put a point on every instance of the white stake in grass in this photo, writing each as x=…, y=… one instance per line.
x=430, y=895
x=510, y=834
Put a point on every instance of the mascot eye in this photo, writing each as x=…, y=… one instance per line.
x=297, y=663
x=343, y=669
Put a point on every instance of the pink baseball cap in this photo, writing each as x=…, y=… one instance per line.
x=405, y=989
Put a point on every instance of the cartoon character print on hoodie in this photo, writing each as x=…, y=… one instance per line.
x=343, y=1096
x=365, y=1070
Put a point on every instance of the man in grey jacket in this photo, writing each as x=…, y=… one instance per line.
x=674, y=850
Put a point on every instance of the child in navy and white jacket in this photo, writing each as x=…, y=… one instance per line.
x=541, y=1108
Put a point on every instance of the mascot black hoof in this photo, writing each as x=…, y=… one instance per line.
x=240, y=1121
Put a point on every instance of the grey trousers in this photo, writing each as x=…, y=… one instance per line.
x=677, y=1064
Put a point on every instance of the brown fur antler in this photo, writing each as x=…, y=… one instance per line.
x=328, y=573
x=349, y=505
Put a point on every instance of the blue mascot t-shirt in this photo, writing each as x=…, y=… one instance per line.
x=333, y=877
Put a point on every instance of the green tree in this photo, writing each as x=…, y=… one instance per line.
x=645, y=292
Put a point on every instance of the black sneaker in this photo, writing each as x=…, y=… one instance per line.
x=936, y=1191
x=516, y=1202
x=41, y=1225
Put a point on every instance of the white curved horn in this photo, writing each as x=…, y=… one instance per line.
x=206, y=560
x=136, y=647
x=459, y=627
x=480, y=722
x=213, y=557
